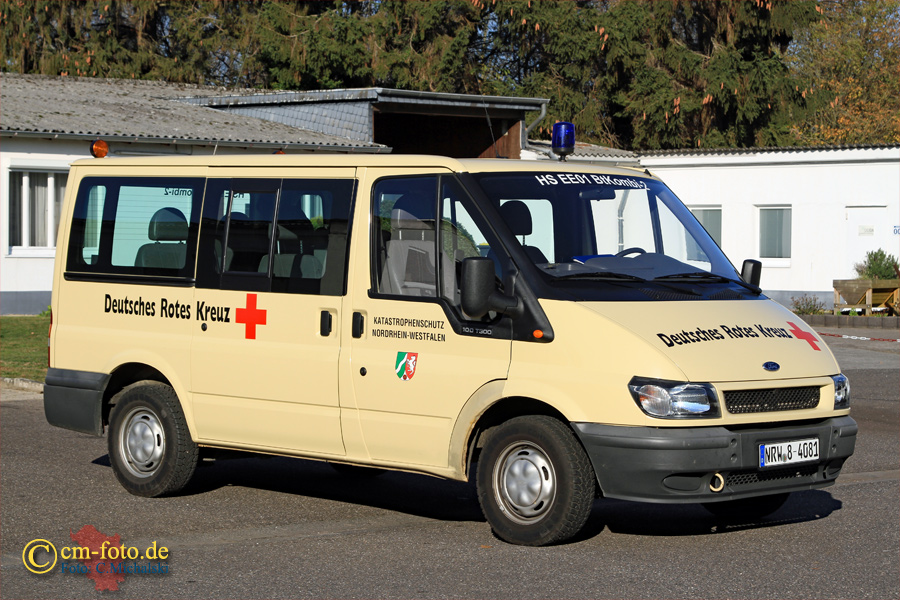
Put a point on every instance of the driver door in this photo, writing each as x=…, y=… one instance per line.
x=415, y=358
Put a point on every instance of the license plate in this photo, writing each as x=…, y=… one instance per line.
x=786, y=453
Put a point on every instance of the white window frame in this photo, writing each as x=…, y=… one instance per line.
x=771, y=261
x=717, y=207
x=53, y=170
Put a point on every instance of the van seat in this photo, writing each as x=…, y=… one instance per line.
x=518, y=219
x=166, y=225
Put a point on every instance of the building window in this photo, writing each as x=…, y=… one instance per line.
x=711, y=219
x=35, y=202
x=774, y=232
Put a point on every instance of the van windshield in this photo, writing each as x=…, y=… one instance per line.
x=593, y=226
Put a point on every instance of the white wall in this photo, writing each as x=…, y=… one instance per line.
x=26, y=273
x=844, y=202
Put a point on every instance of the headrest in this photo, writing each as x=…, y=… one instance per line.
x=413, y=211
x=285, y=234
x=168, y=225
x=517, y=217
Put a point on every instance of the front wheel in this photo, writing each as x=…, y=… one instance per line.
x=535, y=482
x=150, y=447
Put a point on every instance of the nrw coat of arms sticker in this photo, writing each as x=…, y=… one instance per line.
x=406, y=365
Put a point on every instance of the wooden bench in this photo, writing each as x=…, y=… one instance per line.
x=867, y=294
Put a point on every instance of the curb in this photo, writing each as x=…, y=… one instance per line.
x=26, y=385
x=855, y=322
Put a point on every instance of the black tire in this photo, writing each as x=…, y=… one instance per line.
x=356, y=471
x=150, y=447
x=747, y=508
x=535, y=483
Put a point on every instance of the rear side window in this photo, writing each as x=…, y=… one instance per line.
x=135, y=226
x=276, y=235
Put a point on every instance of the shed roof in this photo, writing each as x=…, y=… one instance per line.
x=374, y=95
x=147, y=111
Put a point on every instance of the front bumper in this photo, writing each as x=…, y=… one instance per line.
x=679, y=465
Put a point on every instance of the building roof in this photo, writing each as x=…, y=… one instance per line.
x=757, y=150
x=588, y=151
x=145, y=111
x=780, y=155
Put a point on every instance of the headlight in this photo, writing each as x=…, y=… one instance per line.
x=841, y=391
x=674, y=399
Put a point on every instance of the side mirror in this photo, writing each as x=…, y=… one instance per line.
x=751, y=272
x=479, y=293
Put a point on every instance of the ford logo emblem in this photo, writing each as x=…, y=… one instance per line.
x=771, y=366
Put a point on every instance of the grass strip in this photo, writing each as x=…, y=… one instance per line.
x=23, y=347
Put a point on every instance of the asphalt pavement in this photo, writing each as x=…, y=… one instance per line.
x=282, y=528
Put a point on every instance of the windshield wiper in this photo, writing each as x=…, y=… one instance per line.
x=602, y=275
x=711, y=277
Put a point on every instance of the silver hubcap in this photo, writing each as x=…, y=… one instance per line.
x=524, y=482
x=142, y=442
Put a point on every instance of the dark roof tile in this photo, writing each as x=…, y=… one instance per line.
x=80, y=106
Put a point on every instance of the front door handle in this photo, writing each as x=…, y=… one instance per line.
x=325, y=323
x=359, y=322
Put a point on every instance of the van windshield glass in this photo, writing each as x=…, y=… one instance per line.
x=593, y=226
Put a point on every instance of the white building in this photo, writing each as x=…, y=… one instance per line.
x=809, y=214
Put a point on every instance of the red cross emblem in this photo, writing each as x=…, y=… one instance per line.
x=804, y=335
x=250, y=317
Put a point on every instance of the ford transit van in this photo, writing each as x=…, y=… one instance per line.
x=554, y=331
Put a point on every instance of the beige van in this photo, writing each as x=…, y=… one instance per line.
x=555, y=331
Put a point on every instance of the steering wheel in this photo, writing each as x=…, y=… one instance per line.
x=634, y=250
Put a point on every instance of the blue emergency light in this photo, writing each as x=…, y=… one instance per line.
x=563, y=141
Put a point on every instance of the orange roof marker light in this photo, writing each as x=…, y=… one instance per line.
x=99, y=149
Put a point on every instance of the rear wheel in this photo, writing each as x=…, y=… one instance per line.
x=747, y=508
x=150, y=447
x=535, y=482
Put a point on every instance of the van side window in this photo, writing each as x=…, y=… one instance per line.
x=248, y=236
x=287, y=236
x=411, y=254
x=404, y=236
x=135, y=226
x=311, y=236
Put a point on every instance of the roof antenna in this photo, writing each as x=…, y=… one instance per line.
x=490, y=128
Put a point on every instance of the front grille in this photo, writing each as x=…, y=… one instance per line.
x=757, y=401
x=737, y=478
